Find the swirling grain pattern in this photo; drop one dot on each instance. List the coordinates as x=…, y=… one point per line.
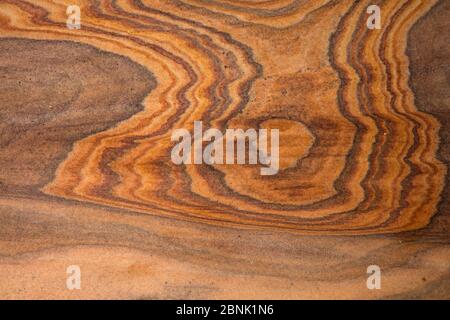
x=86, y=176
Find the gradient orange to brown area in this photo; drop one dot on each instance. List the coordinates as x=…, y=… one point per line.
x=86, y=176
